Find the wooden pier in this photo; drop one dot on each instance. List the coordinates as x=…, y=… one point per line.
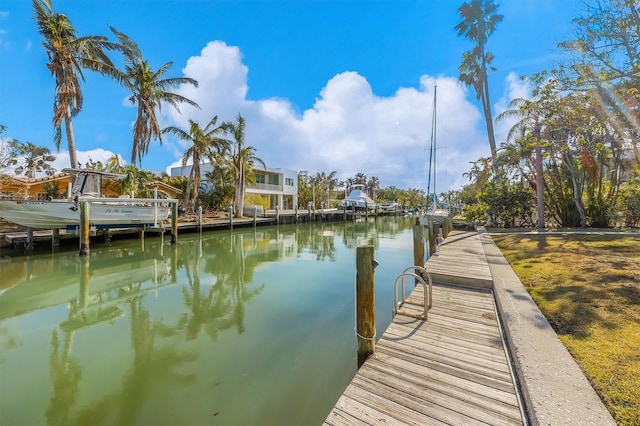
x=451, y=369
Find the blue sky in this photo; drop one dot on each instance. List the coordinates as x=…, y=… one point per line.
x=323, y=85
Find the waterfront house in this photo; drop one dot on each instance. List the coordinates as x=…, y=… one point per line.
x=278, y=186
x=59, y=185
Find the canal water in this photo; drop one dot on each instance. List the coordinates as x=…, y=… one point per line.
x=243, y=327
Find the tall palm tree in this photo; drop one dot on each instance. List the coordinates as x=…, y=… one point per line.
x=372, y=186
x=68, y=54
x=148, y=91
x=479, y=21
x=206, y=144
x=528, y=114
x=242, y=160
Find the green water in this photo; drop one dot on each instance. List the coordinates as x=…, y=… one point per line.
x=243, y=327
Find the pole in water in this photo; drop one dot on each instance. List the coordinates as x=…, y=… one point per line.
x=84, y=228
x=418, y=246
x=365, y=302
x=174, y=223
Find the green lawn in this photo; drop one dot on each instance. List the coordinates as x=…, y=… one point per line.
x=588, y=287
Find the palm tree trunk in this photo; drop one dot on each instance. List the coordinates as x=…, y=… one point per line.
x=488, y=118
x=239, y=193
x=539, y=178
x=71, y=140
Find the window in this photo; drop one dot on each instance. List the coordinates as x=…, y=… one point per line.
x=273, y=179
x=288, y=182
x=259, y=178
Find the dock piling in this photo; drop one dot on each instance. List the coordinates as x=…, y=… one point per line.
x=365, y=302
x=55, y=238
x=30, y=242
x=84, y=228
x=418, y=245
x=174, y=223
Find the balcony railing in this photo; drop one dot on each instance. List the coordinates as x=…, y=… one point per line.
x=266, y=187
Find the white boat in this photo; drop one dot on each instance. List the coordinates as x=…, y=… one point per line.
x=433, y=213
x=358, y=199
x=103, y=212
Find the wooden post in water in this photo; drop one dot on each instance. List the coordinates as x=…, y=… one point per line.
x=174, y=223
x=30, y=244
x=84, y=228
x=432, y=237
x=230, y=210
x=365, y=302
x=55, y=238
x=418, y=246
x=200, y=219
x=277, y=215
x=296, y=209
x=255, y=216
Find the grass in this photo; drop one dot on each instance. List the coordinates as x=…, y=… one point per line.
x=588, y=288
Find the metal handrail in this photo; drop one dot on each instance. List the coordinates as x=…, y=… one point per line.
x=398, y=306
x=423, y=273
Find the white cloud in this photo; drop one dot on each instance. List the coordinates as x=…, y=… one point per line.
x=349, y=129
x=515, y=88
x=97, y=154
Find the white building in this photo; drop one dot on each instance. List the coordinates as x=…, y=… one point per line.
x=279, y=185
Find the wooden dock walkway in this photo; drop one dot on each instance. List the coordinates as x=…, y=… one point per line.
x=451, y=369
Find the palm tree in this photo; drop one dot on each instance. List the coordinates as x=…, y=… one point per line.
x=372, y=186
x=242, y=161
x=68, y=55
x=149, y=91
x=479, y=21
x=529, y=114
x=30, y=159
x=113, y=164
x=206, y=144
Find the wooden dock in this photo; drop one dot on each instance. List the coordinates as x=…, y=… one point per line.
x=451, y=369
x=461, y=260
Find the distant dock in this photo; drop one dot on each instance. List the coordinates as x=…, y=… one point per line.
x=221, y=221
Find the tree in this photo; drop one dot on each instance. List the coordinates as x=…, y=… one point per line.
x=242, y=160
x=529, y=114
x=206, y=144
x=325, y=183
x=479, y=21
x=373, y=184
x=68, y=55
x=30, y=159
x=604, y=55
x=148, y=91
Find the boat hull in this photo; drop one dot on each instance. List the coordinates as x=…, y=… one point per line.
x=63, y=213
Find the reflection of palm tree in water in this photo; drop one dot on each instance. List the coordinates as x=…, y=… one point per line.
x=152, y=364
x=65, y=375
x=313, y=239
x=209, y=308
x=224, y=304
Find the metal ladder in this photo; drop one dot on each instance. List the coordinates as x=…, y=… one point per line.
x=428, y=293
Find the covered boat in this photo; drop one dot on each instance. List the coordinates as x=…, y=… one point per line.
x=104, y=212
x=358, y=199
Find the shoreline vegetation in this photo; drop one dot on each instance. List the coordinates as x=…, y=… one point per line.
x=587, y=285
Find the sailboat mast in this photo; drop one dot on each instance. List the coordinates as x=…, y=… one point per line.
x=433, y=142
